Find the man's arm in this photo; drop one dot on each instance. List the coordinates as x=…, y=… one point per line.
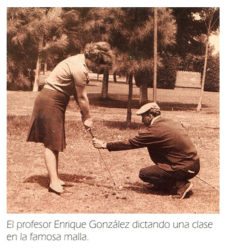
x=144, y=138
x=117, y=145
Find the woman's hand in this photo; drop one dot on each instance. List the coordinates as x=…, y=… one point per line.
x=88, y=123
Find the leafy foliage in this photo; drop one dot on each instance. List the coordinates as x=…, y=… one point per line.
x=167, y=73
x=65, y=31
x=32, y=32
x=134, y=41
x=213, y=74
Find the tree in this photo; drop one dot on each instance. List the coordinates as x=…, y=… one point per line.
x=124, y=67
x=212, y=79
x=155, y=54
x=37, y=31
x=188, y=28
x=129, y=102
x=100, y=25
x=105, y=84
x=194, y=26
x=135, y=38
x=210, y=17
x=130, y=32
x=20, y=55
x=49, y=37
x=74, y=22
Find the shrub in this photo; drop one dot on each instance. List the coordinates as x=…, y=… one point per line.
x=212, y=75
x=167, y=73
x=20, y=82
x=16, y=76
x=196, y=63
x=166, y=76
x=144, y=77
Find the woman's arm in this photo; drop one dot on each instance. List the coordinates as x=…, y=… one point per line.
x=83, y=102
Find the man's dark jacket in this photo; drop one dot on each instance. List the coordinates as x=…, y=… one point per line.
x=168, y=145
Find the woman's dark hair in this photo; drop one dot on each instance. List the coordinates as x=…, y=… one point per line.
x=99, y=53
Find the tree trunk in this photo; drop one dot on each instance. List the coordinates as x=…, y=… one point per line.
x=38, y=67
x=130, y=94
x=37, y=74
x=105, y=84
x=45, y=67
x=155, y=57
x=205, y=62
x=203, y=75
x=114, y=77
x=143, y=93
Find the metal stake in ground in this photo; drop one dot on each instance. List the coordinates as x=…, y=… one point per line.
x=107, y=168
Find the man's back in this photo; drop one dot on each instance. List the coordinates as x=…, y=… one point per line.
x=168, y=142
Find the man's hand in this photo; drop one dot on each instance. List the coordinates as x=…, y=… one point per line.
x=99, y=144
x=88, y=123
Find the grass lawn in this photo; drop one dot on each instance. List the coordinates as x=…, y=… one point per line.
x=82, y=166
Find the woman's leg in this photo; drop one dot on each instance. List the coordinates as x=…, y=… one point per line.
x=51, y=161
x=57, y=169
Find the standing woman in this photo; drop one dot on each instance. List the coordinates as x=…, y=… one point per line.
x=68, y=78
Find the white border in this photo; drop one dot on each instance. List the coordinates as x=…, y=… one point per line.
x=116, y=239
x=114, y=3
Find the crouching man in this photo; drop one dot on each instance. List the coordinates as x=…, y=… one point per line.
x=174, y=155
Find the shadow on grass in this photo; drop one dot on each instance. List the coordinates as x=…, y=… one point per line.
x=137, y=187
x=118, y=101
x=145, y=189
x=43, y=180
x=150, y=189
x=121, y=125
x=110, y=102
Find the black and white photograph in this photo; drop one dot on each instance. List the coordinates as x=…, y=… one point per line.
x=113, y=110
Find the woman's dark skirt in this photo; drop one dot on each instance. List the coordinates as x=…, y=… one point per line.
x=48, y=120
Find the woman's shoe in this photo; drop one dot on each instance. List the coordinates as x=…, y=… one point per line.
x=65, y=184
x=64, y=193
x=58, y=191
x=62, y=183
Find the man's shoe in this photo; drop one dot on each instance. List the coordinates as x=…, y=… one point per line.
x=182, y=189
